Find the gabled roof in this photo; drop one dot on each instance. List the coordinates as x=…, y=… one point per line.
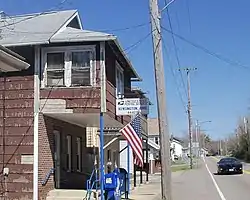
x=52, y=27
x=31, y=29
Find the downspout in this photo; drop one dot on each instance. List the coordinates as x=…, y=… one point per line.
x=5, y=176
x=36, y=121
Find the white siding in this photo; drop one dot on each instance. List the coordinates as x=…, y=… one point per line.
x=124, y=157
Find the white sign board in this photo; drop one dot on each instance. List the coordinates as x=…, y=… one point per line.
x=131, y=106
x=27, y=159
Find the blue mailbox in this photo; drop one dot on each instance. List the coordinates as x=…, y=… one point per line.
x=123, y=176
x=112, y=185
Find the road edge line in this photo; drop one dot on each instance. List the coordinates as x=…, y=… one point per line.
x=222, y=197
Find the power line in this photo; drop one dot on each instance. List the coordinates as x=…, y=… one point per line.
x=104, y=30
x=176, y=51
x=36, y=15
x=177, y=86
x=135, y=45
x=126, y=28
x=218, y=56
x=189, y=17
x=172, y=71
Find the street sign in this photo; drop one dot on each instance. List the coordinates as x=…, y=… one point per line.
x=131, y=106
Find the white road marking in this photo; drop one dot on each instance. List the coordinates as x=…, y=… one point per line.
x=222, y=197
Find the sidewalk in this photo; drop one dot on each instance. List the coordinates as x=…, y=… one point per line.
x=152, y=189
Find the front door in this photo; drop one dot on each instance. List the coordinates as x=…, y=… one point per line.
x=57, y=158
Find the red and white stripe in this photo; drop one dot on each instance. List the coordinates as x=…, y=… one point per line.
x=135, y=142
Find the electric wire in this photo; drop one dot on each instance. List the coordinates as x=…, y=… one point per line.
x=133, y=27
x=176, y=52
x=36, y=15
x=175, y=80
x=172, y=71
x=206, y=50
x=189, y=17
x=136, y=44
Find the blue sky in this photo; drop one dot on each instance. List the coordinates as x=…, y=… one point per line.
x=220, y=92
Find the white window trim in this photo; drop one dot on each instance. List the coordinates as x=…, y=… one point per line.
x=119, y=69
x=79, y=152
x=68, y=63
x=69, y=152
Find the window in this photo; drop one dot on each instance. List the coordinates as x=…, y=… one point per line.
x=69, y=66
x=80, y=69
x=79, y=153
x=119, y=80
x=114, y=158
x=55, y=69
x=69, y=153
x=109, y=155
x=157, y=140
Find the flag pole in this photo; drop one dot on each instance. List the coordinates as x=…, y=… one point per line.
x=128, y=166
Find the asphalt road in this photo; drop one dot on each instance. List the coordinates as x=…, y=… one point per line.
x=204, y=184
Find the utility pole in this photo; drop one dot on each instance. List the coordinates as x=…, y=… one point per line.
x=226, y=147
x=220, y=147
x=247, y=133
x=188, y=70
x=161, y=101
x=197, y=143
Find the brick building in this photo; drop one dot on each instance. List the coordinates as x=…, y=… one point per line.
x=54, y=105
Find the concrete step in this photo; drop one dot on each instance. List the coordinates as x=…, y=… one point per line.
x=63, y=194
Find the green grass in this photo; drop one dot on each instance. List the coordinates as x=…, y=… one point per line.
x=176, y=168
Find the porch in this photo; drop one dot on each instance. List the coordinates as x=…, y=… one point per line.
x=69, y=144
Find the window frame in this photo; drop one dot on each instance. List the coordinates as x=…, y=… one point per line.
x=68, y=50
x=156, y=140
x=119, y=69
x=69, y=153
x=79, y=154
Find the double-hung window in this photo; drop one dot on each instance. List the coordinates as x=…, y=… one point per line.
x=69, y=152
x=119, y=81
x=68, y=66
x=78, y=154
x=81, y=68
x=55, y=69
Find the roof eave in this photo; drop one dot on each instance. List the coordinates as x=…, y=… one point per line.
x=25, y=44
x=137, y=89
x=93, y=39
x=137, y=77
x=12, y=63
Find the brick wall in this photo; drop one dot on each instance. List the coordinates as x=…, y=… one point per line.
x=16, y=136
x=69, y=180
x=46, y=143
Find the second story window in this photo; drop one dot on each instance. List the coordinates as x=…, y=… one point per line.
x=68, y=66
x=119, y=81
x=55, y=69
x=80, y=69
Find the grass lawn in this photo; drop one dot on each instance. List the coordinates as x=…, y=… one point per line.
x=175, y=168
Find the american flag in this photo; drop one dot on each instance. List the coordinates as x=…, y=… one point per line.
x=132, y=133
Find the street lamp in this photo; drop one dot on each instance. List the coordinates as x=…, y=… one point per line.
x=197, y=132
